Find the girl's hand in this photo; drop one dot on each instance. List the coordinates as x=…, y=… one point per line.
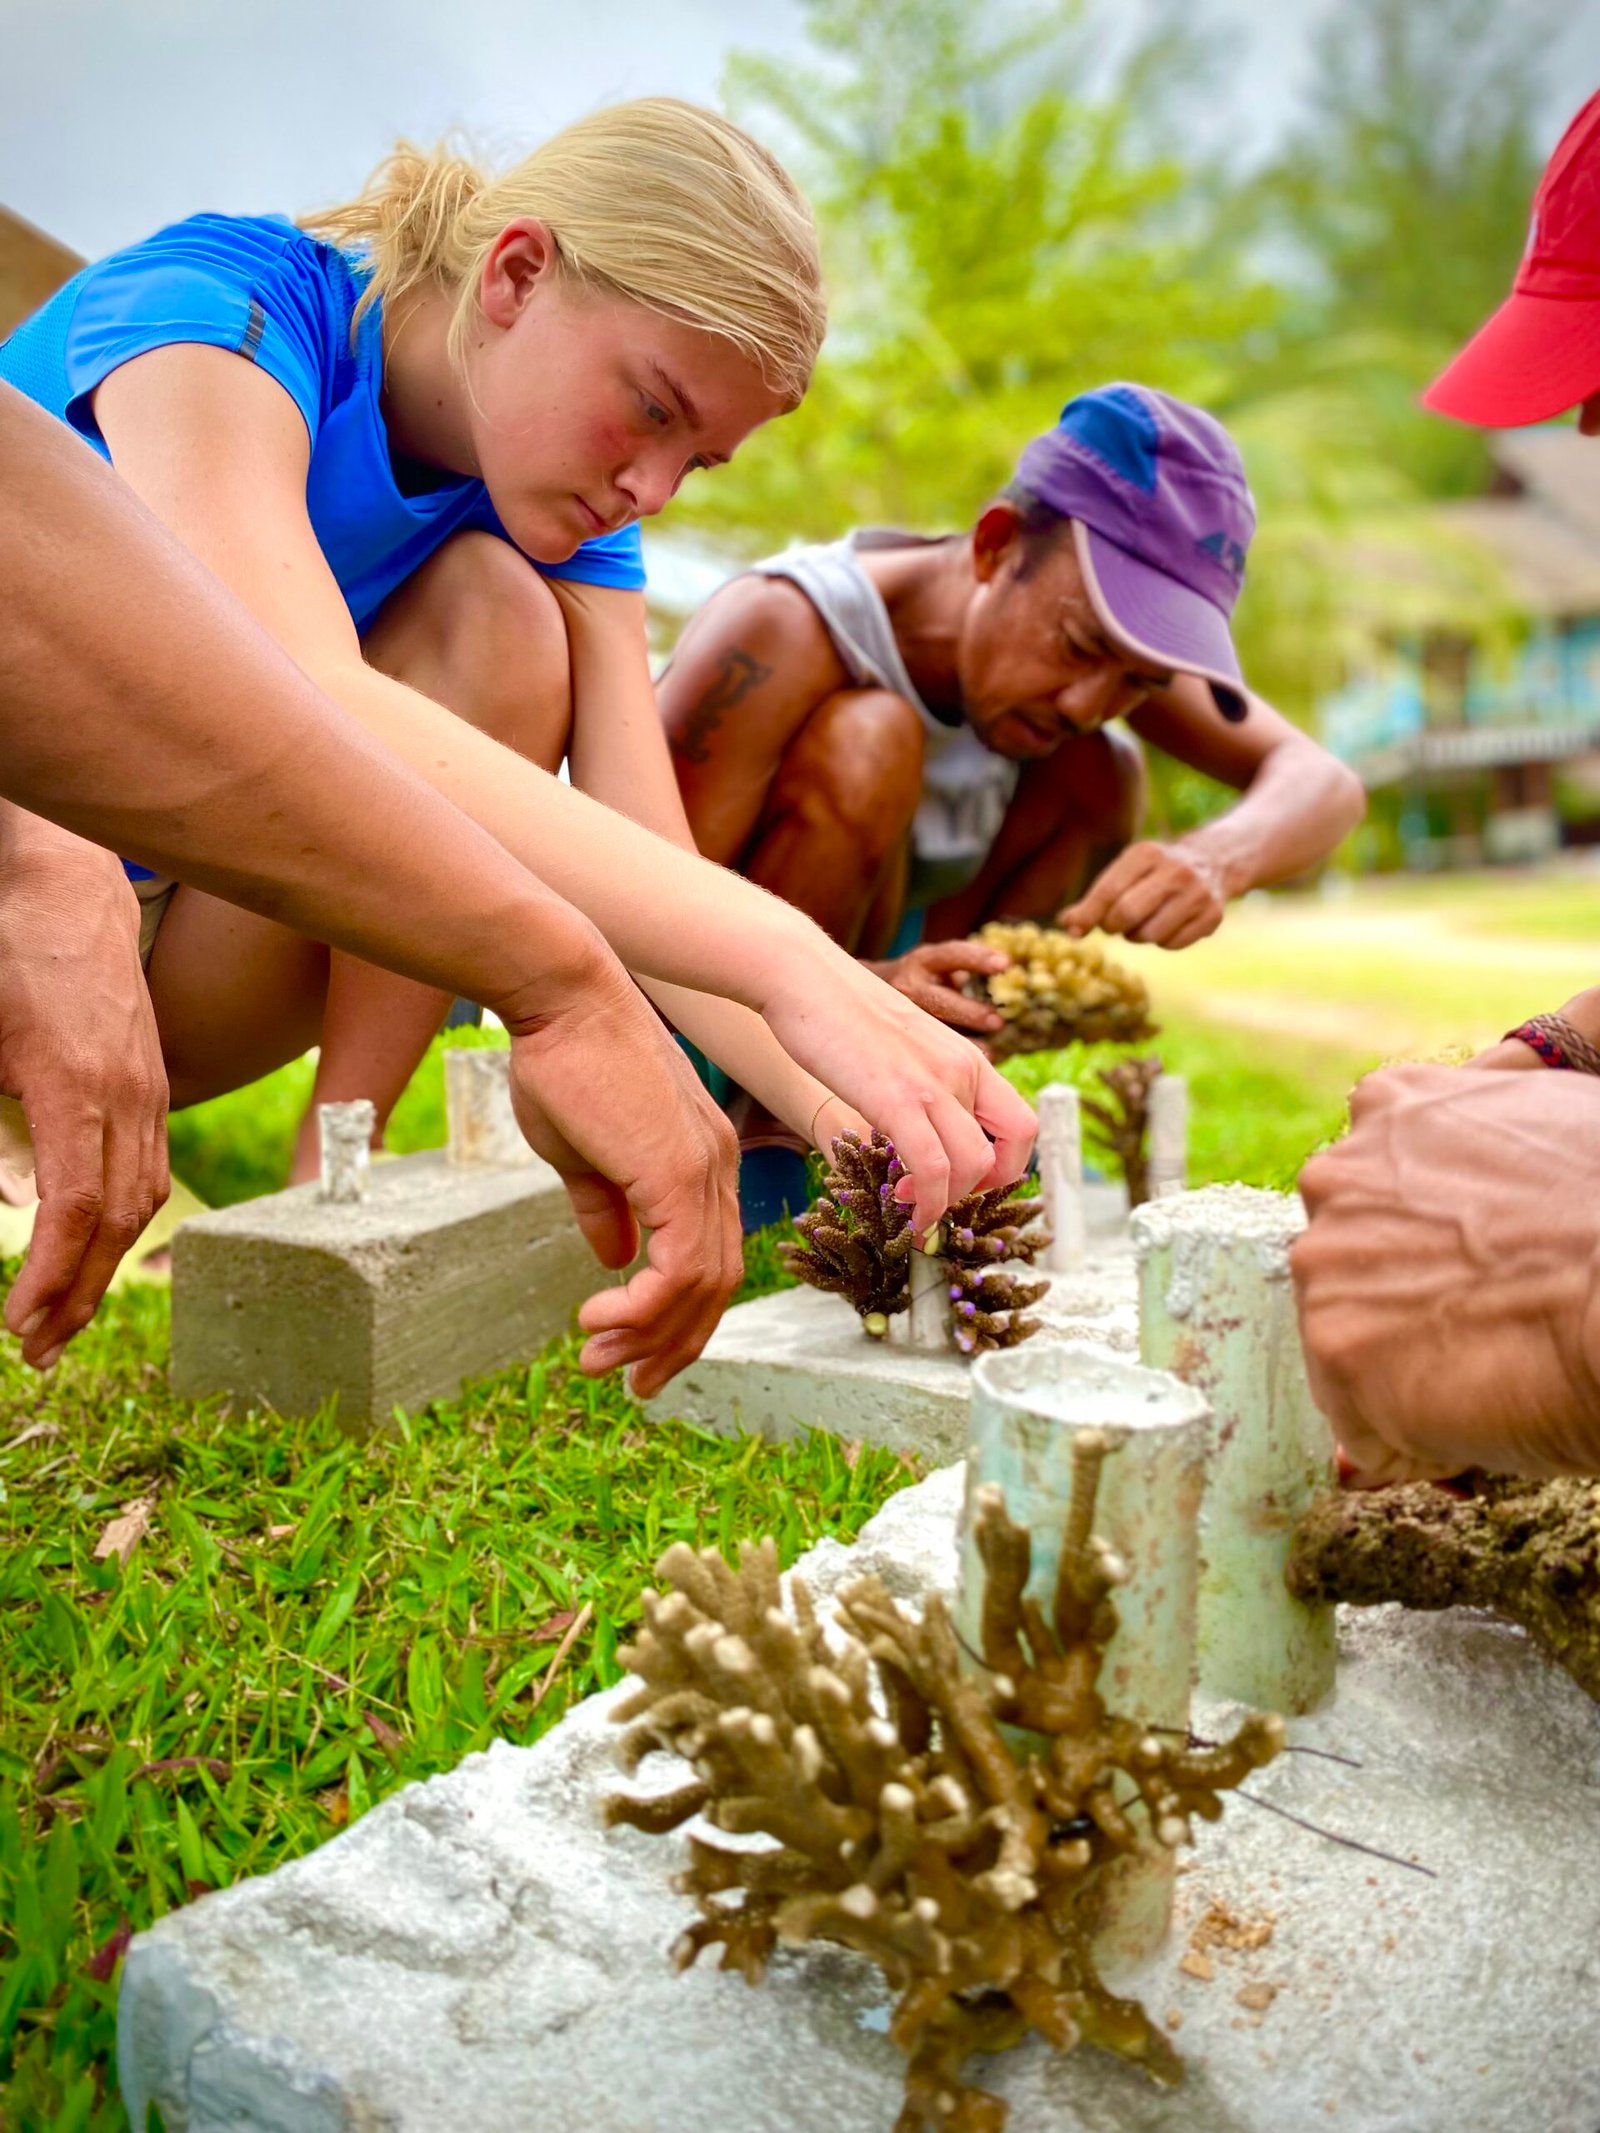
x=956, y=1124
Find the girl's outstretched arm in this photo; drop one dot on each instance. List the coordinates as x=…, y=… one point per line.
x=220, y=452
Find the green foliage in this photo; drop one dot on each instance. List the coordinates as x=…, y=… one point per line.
x=1009, y=217
x=1000, y=230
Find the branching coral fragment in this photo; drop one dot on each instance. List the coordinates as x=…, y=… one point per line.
x=907, y=1816
x=1122, y=1124
x=855, y=1240
x=988, y=1307
x=1058, y=991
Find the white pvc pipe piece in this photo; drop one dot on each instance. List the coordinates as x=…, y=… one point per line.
x=1030, y=1405
x=929, y=1313
x=1061, y=1178
x=1216, y=1306
x=482, y=1128
x=345, y=1134
x=1167, y=1164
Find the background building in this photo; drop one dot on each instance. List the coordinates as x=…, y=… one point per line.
x=1489, y=748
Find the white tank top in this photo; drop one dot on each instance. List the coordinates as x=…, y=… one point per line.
x=966, y=788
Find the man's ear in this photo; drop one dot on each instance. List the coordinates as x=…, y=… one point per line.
x=996, y=535
x=522, y=259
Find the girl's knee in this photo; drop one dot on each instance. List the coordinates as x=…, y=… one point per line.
x=479, y=630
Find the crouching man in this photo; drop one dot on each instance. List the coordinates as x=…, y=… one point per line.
x=906, y=737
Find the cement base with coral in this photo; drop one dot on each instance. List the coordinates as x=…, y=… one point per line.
x=477, y=1953
x=798, y=1359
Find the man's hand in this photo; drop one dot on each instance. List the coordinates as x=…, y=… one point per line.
x=603, y=1093
x=1169, y=895
x=79, y=1050
x=1449, y=1282
x=932, y=975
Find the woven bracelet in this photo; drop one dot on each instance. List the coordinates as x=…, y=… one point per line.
x=1558, y=1042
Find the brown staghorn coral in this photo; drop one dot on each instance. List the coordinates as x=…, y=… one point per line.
x=1526, y=1550
x=1121, y=1125
x=988, y=1308
x=855, y=1239
x=1058, y=991
x=949, y=1823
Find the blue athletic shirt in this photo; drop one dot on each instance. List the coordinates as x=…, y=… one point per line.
x=283, y=300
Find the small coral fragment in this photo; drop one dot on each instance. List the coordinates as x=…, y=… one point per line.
x=855, y=1240
x=945, y=1821
x=1121, y=1124
x=1058, y=991
x=988, y=1307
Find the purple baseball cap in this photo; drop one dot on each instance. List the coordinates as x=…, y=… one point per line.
x=1161, y=517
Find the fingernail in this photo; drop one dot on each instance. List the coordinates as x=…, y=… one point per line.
x=31, y=1324
x=50, y=1358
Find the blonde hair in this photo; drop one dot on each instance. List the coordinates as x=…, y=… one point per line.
x=656, y=200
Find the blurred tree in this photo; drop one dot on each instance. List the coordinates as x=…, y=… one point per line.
x=1002, y=226
x=1404, y=197
x=1009, y=215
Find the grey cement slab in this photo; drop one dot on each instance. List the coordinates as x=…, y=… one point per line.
x=445, y=1271
x=799, y=1360
x=476, y=1953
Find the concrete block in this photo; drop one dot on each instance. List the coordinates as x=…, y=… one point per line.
x=443, y=1272
x=799, y=1360
x=477, y=1953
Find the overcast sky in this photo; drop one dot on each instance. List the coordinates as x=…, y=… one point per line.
x=119, y=115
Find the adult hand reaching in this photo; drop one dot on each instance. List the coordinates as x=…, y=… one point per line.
x=1449, y=1281
x=79, y=1050
x=603, y=1094
x=1169, y=895
x=932, y=973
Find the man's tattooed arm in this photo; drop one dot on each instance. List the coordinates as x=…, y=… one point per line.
x=738, y=672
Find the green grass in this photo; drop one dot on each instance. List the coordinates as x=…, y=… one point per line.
x=413, y=1600
x=1257, y=1106
x=1392, y=967
x=405, y=1613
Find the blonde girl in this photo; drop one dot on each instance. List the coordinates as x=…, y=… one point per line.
x=416, y=436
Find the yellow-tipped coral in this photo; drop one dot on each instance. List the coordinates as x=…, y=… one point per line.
x=1058, y=991
x=947, y=1820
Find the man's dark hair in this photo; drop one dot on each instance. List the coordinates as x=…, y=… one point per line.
x=1040, y=525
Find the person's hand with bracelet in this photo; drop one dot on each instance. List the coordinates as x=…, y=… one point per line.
x=1569, y=1039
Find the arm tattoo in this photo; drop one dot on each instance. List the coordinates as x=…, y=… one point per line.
x=738, y=672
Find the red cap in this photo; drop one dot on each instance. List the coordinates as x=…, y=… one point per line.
x=1540, y=353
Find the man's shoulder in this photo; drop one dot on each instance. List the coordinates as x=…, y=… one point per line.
x=774, y=620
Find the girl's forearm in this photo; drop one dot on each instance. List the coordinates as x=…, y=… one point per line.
x=618, y=755
x=668, y=914
x=741, y=1044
